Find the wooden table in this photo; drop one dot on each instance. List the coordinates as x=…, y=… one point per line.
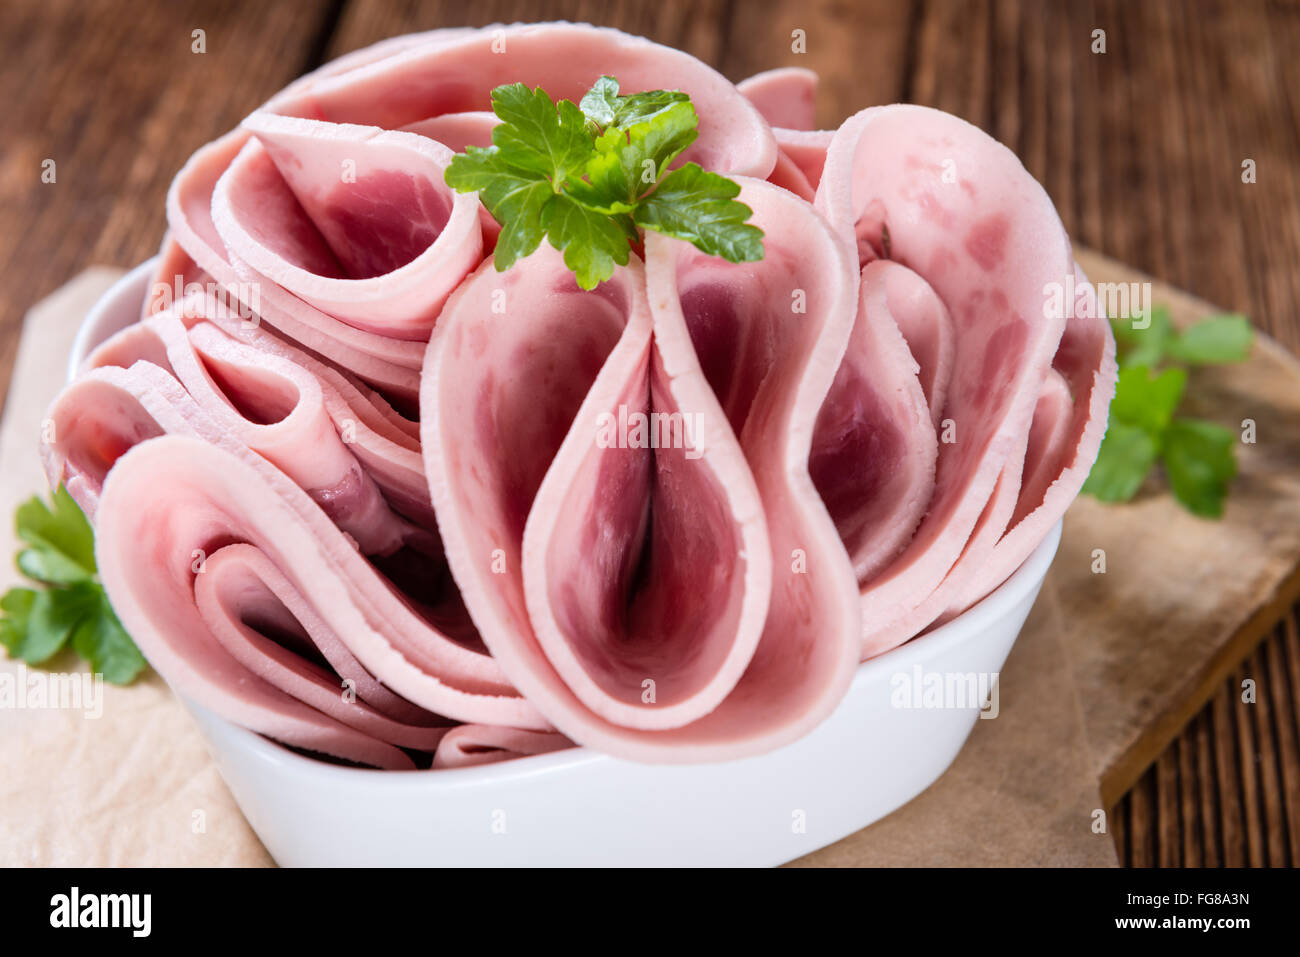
x=1141, y=147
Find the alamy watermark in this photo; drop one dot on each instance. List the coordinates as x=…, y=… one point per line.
x=32, y=690
x=1117, y=300
x=945, y=690
x=208, y=300
x=650, y=430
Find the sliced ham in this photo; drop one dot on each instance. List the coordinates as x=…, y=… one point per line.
x=805, y=150
x=253, y=587
x=387, y=363
x=874, y=448
x=358, y=491
x=354, y=220
x=469, y=745
x=213, y=499
x=936, y=194
x=457, y=130
x=640, y=598
x=1063, y=441
x=381, y=440
x=545, y=522
x=565, y=59
x=786, y=96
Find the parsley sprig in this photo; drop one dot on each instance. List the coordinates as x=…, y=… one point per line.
x=1198, y=456
x=587, y=176
x=38, y=623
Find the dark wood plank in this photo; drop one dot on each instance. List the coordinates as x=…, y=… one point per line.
x=696, y=27
x=118, y=100
x=860, y=51
x=1207, y=787
x=1248, y=775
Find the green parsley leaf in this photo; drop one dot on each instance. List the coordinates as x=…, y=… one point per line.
x=1199, y=460
x=701, y=208
x=62, y=546
x=17, y=605
x=515, y=199
x=600, y=104
x=587, y=176
x=1144, y=347
x=1198, y=457
x=1126, y=456
x=101, y=640
x=1215, y=339
x=604, y=108
x=627, y=163
x=592, y=242
x=1146, y=400
x=640, y=107
x=38, y=623
x=538, y=135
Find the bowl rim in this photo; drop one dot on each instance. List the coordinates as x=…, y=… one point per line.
x=968, y=626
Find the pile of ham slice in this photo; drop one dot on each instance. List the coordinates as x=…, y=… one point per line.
x=347, y=487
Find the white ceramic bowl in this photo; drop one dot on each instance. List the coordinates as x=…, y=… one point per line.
x=579, y=807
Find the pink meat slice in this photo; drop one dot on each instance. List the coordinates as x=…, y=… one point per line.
x=237, y=397
x=1063, y=442
x=640, y=598
x=175, y=275
x=1046, y=445
x=927, y=328
x=535, y=507
x=969, y=564
x=786, y=96
x=805, y=151
x=636, y=563
x=373, y=53
x=277, y=409
x=768, y=338
x=271, y=378
x=469, y=745
x=387, y=363
x=456, y=76
x=105, y=413
x=938, y=195
x=457, y=130
x=108, y=411
x=874, y=449
x=177, y=497
x=354, y=220
x=789, y=176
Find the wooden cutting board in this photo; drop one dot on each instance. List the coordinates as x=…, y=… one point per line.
x=1183, y=599
x=1107, y=670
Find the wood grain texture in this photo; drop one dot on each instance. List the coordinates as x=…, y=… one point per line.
x=1141, y=149
x=1182, y=599
x=114, y=94
x=1227, y=792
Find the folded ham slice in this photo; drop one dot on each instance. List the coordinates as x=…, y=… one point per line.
x=637, y=595
x=388, y=363
x=259, y=409
x=784, y=96
x=457, y=74
x=936, y=194
x=874, y=449
x=358, y=491
x=469, y=745
x=1068, y=426
x=354, y=220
